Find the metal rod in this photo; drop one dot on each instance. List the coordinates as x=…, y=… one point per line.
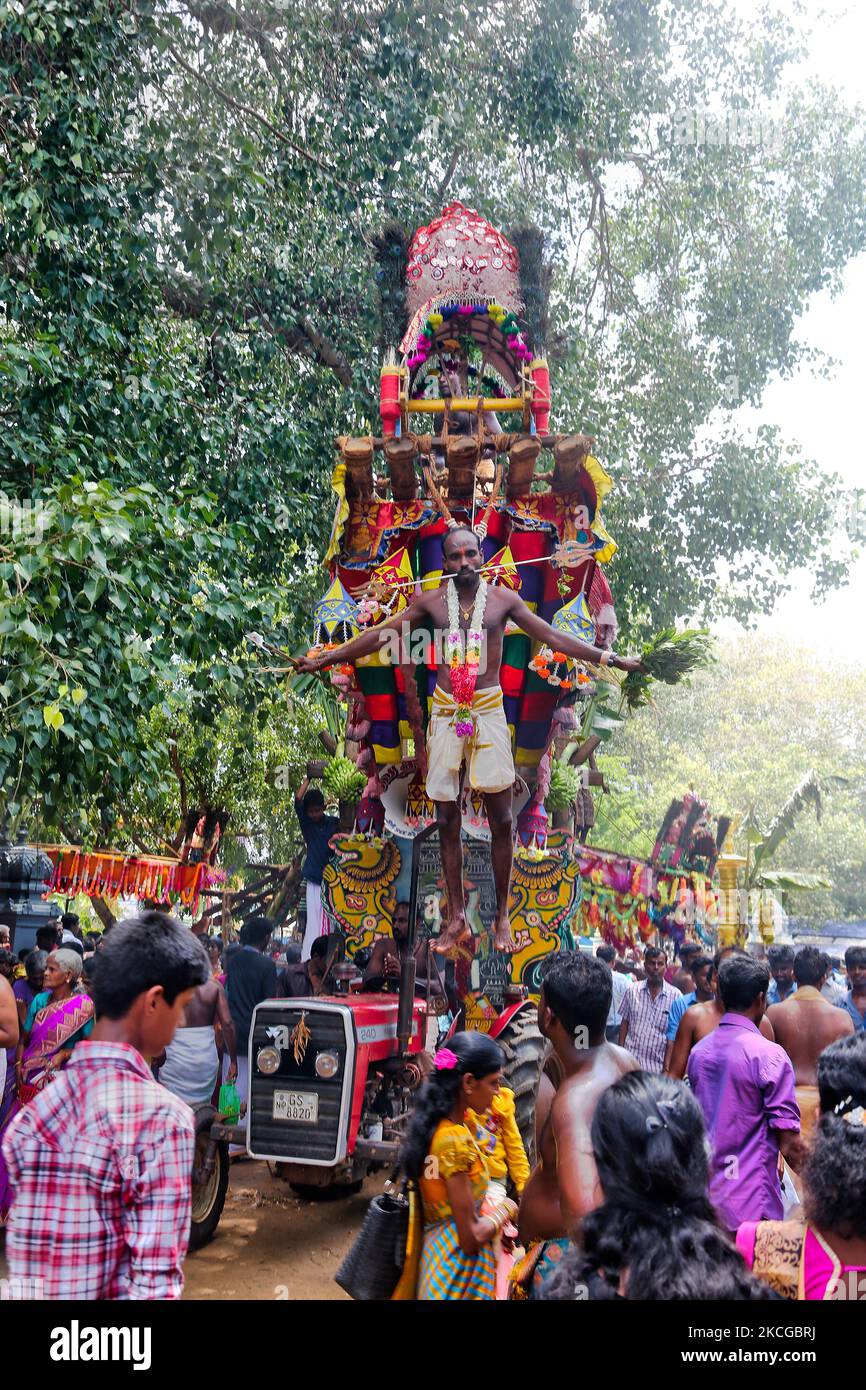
x=434, y=583
x=407, y=999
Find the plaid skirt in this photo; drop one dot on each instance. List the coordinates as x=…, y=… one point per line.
x=446, y=1273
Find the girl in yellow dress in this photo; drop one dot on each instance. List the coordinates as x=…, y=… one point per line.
x=498, y=1138
x=441, y=1155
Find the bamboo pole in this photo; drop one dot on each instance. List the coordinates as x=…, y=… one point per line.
x=436, y=406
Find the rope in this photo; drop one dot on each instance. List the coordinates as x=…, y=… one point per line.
x=600, y=810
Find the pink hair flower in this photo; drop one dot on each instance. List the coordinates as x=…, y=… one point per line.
x=445, y=1060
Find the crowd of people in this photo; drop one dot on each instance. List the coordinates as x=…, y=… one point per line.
x=716, y=1150
x=700, y=1134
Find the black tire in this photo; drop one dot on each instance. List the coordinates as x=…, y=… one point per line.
x=333, y=1193
x=525, y=1050
x=208, y=1195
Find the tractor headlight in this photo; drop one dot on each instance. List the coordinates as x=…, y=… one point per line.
x=268, y=1060
x=327, y=1065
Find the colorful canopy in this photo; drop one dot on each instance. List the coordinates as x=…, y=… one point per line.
x=458, y=258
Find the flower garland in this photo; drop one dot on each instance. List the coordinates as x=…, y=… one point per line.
x=505, y=321
x=464, y=670
x=344, y=668
x=110, y=874
x=565, y=680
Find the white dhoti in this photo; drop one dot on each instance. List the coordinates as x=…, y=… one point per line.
x=486, y=751
x=317, y=923
x=191, y=1063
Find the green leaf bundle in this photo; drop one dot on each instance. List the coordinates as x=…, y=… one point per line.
x=669, y=656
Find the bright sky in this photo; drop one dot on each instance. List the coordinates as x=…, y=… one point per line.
x=823, y=416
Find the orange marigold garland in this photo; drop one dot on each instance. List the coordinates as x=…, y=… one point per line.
x=559, y=670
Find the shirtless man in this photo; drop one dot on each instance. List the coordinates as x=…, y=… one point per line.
x=190, y=1063
x=487, y=746
x=701, y=1019
x=804, y=1025
x=563, y=1187
x=702, y=971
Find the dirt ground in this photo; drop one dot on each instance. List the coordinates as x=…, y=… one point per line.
x=271, y=1245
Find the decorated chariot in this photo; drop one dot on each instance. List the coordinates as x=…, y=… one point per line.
x=466, y=436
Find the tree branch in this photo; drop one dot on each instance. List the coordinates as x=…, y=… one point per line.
x=103, y=912
x=449, y=174
x=174, y=759
x=254, y=115
x=327, y=353
x=189, y=299
x=221, y=18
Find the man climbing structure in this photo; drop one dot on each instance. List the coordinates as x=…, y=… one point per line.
x=467, y=720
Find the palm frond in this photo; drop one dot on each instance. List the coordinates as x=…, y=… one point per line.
x=808, y=792
x=790, y=880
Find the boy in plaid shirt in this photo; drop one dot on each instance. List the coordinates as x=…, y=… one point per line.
x=100, y=1162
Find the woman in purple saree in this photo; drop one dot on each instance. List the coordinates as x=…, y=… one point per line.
x=25, y=991
x=57, y=1018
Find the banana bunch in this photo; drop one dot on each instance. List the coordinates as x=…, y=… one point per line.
x=343, y=780
x=564, y=786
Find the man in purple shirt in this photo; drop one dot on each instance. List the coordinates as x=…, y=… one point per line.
x=745, y=1086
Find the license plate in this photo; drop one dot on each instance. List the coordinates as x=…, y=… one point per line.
x=300, y=1106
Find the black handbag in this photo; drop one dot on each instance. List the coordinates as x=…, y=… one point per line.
x=373, y=1266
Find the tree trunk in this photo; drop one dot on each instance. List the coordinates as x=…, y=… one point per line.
x=104, y=912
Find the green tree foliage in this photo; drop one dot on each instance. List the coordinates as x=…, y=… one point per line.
x=744, y=736
x=190, y=199
x=247, y=762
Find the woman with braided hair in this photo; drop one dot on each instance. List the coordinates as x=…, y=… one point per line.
x=821, y=1254
x=442, y=1157
x=655, y=1235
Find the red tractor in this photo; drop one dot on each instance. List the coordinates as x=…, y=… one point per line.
x=332, y=1083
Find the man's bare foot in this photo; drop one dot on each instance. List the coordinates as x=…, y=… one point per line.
x=502, y=938
x=457, y=931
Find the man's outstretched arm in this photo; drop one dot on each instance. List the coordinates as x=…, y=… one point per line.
x=536, y=627
x=365, y=642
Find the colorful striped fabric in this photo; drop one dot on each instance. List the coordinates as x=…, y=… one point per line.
x=446, y=1273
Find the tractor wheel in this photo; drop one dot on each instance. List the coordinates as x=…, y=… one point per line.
x=209, y=1191
x=525, y=1052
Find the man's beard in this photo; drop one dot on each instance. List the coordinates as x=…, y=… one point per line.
x=466, y=579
